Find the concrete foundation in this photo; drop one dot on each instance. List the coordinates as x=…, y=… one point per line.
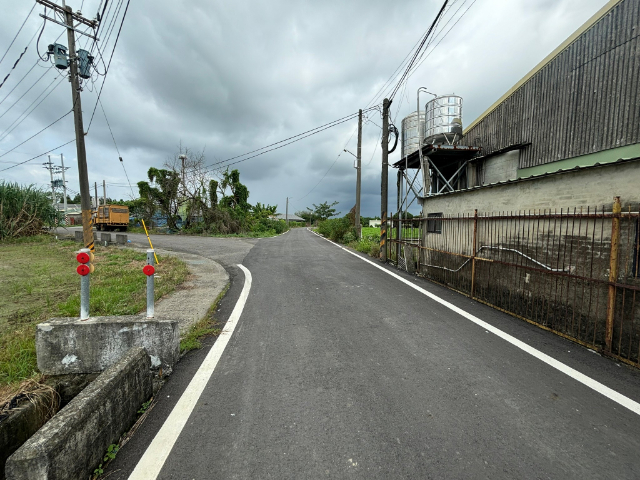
x=71, y=445
x=69, y=345
x=105, y=237
x=79, y=237
x=121, y=238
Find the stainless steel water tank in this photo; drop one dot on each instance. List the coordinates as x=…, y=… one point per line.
x=410, y=133
x=443, y=116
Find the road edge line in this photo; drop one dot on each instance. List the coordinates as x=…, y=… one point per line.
x=558, y=365
x=156, y=454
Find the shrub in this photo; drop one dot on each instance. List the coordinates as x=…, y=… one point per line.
x=375, y=250
x=24, y=210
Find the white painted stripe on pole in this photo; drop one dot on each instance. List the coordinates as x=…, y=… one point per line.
x=149, y=466
x=573, y=373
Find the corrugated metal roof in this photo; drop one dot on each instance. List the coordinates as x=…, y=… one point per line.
x=572, y=38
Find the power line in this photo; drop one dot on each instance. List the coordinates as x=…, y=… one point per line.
x=334, y=162
x=418, y=50
x=294, y=139
x=117, y=149
x=37, y=156
x=444, y=36
x=19, y=30
x=10, y=129
x=28, y=90
x=110, y=58
x=36, y=134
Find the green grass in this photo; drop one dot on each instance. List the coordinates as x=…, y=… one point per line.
x=39, y=281
x=207, y=326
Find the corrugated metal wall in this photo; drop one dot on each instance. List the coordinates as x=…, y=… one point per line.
x=583, y=101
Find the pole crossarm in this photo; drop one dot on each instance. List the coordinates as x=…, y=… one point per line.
x=64, y=25
x=63, y=11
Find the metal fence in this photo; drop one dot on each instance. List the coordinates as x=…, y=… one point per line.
x=575, y=272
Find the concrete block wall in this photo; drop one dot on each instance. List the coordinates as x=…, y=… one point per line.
x=71, y=445
x=590, y=187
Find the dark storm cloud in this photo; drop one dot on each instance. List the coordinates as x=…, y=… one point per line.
x=230, y=77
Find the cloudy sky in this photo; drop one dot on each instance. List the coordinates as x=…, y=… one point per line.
x=232, y=77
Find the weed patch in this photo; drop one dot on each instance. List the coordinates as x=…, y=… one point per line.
x=39, y=281
x=207, y=326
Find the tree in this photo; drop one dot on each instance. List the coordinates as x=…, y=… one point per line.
x=260, y=210
x=165, y=195
x=306, y=214
x=324, y=210
x=239, y=194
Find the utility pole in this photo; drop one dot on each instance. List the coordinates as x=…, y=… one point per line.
x=64, y=187
x=286, y=215
x=384, y=187
x=95, y=186
x=359, y=176
x=85, y=194
x=49, y=166
x=104, y=194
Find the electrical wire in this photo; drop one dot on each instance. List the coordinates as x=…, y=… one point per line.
x=296, y=137
x=28, y=90
x=302, y=135
x=444, y=36
x=110, y=59
x=418, y=50
x=19, y=30
x=10, y=129
x=38, y=156
x=36, y=134
x=334, y=162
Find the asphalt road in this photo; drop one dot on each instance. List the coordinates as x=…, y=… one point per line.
x=338, y=370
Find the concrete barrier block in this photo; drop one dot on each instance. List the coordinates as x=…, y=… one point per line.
x=105, y=237
x=121, y=238
x=79, y=237
x=69, y=345
x=95, y=236
x=71, y=445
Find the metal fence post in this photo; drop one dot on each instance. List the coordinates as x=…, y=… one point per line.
x=84, y=290
x=473, y=255
x=613, y=272
x=150, y=284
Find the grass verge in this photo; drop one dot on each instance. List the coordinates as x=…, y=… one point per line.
x=39, y=281
x=207, y=326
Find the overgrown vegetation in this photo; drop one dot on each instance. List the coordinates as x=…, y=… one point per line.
x=186, y=195
x=341, y=230
x=207, y=326
x=38, y=281
x=24, y=210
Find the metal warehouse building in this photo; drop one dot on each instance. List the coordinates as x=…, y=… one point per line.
x=535, y=208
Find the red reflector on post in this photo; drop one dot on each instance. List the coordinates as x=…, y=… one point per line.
x=148, y=270
x=83, y=257
x=83, y=270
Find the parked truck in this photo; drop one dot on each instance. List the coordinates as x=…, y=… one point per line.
x=112, y=217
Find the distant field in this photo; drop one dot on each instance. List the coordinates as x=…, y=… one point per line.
x=375, y=232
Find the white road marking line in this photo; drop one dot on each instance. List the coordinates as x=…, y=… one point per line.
x=573, y=373
x=149, y=466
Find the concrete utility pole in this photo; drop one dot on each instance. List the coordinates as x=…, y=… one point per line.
x=95, y=186
x=64, y=187
x=104, y=194
x=85, y=194
x=286, y=215
x=384, y=187
x=49, y=166
x=359, y=176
